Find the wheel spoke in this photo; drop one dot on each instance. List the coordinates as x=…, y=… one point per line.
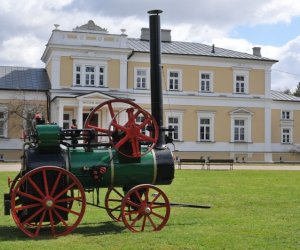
x=60, y=218
x=157, y=215
x=135, y=220
x=155, y=198
x=144, y=223
x=118, y=193
x=146, y=138
x=53, y=231
x=68, y=199
x=144, y=123
x=133, y=204
x=121, y=142
x=55, y=184
x=102, y=130
x=45, y=182
x=138, y=195
x=118, y=126
x=115, y=208
x=111, y=110
x=135, y=147
x=151, y=221
x=36, y=187
x=33, y=216
x=66, y=210
x=64, y=191
x=28, y=206
x=131, y=212
x=29, y=196
x=40, y=223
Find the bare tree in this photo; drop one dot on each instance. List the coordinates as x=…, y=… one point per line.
x=22, y=110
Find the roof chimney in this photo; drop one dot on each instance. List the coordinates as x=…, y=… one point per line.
x=256, y=51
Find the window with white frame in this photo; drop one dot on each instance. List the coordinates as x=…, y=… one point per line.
x=174, y=79
x=239, y=130
x=141, y=78
x=240, y=84
x=204, y=129
x=206, y=81
x=286, y=115
x=205, y=126
x=286, y=135
x=78, y=75
x=240, y=81
x=89, y=75
x=174, y=121
x=101, y=76
x=241, y=125
x=3, y=123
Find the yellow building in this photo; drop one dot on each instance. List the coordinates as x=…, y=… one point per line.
x=219, y=101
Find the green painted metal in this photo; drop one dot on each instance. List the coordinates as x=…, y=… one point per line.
x=48, y=137
x=118, y=173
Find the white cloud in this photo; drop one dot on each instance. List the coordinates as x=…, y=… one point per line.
x=22, y=51
x=26, y=25
x=277, y=11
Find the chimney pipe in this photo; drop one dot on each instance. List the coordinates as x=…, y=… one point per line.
x=156, y=83
x=256, y=51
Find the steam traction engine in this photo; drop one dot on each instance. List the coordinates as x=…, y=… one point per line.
x=60, y=166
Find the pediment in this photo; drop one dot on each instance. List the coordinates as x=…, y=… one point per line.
x=95, y=95
x=241, y=111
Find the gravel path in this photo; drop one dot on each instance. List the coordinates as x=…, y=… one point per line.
x=9, y=167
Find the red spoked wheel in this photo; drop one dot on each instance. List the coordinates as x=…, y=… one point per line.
x=126, y=138
x=113, y=200
x=109, y=105
x=133, y=133
x=113, y=203
x=43, y=200
x=150, y=209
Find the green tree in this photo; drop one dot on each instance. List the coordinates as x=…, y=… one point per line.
x=297, y=91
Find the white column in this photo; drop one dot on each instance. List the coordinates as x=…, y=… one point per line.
x=79, y=115
x=268, y=83
x=55, y=74
x=268, y=132
x=123, y=74
x=60, y=121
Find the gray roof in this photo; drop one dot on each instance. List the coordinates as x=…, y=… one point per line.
x=190, y=48
x=279, y=96
x=24, y=78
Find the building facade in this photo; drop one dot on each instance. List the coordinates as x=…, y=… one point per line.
x=219, y=101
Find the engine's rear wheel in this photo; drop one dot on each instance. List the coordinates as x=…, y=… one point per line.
x=43, y=200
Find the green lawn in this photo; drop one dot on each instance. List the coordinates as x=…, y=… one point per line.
x=250, y=210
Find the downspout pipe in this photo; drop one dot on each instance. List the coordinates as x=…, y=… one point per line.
x=156, y=71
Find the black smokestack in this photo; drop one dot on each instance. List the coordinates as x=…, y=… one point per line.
x=156, y=86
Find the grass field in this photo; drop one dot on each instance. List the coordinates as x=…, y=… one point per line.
x=250, y=210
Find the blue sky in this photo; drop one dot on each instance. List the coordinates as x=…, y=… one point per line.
x=269, y=34
x=26, y=25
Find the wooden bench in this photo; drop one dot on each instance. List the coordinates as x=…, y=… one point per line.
x=191, y=161
x=220, y=162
